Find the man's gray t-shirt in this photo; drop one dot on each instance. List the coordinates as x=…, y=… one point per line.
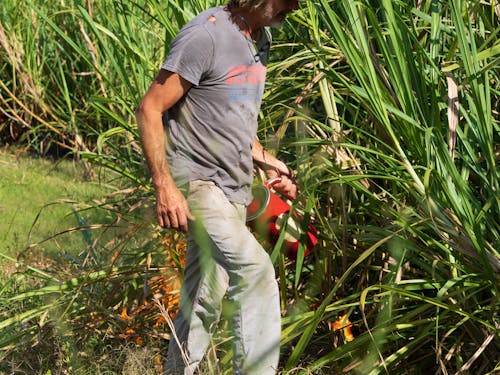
x=210, y=131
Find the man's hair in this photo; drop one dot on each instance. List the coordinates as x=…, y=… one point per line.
x=247, y=4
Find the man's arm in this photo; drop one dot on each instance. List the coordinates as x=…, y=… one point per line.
x=273, y=168
x=171, y=207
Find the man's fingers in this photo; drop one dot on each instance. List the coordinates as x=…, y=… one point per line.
x=163, y=220
x=182, y=222
x=175, y=219
x=272, y=173
x=174, y=223
x=286, y=187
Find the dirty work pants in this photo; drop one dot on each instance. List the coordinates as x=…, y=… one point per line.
x=222, y=258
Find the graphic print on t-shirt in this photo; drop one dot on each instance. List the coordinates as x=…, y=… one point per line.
x=245, y=83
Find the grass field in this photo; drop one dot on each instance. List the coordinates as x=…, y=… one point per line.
x=40, y=198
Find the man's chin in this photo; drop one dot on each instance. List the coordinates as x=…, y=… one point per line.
x=278, y=23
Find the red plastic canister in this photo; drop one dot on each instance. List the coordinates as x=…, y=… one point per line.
x=266, y=215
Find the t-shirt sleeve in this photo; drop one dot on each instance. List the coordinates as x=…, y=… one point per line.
x=190, y=53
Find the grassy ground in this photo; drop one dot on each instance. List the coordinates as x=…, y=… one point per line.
x=39, y=198
x=44, y=197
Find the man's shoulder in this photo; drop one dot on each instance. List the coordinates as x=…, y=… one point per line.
x=206, y=17
x=206, y=24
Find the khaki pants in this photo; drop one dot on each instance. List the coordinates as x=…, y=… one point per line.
x=223, y=257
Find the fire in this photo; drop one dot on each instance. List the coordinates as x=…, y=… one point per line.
x=165, y=287
x=344, y=326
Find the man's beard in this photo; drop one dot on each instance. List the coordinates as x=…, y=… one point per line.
x=279, y=22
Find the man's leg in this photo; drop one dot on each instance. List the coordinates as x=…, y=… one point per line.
x=254, y=292
x=253, y=289
x=203, y=288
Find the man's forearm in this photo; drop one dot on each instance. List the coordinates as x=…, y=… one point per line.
x=265, y=160
x=153, y=144
x=273, y=168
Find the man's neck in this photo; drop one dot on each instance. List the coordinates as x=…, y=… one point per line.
x=247, y=21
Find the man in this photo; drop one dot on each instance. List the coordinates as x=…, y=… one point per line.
x=198, y=124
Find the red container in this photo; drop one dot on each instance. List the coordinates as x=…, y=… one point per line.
x=266, y=215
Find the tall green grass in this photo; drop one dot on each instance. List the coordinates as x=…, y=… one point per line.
x=416, y=217
x=388, y=110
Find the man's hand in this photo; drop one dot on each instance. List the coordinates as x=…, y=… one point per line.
x=172, y=209
x=274, y=168
x=287, y=186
